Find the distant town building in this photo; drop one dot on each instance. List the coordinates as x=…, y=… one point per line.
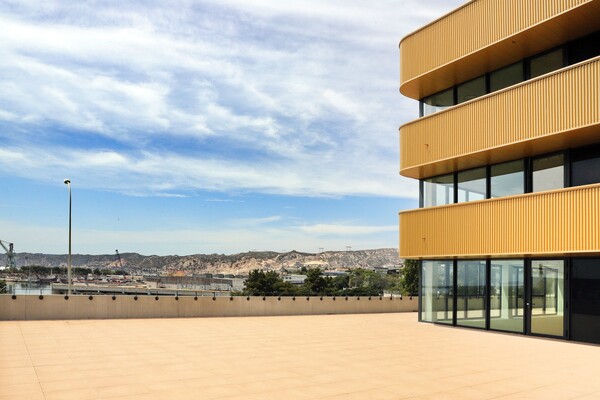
x=295, y=279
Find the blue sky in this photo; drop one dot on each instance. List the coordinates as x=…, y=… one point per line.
x=204, y=127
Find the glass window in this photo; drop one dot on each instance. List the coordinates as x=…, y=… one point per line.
x=470, y=90
x=545, y=63
x=437, y=295
x=507, y=76
x=585, y=48
x=547, y=297
x=585, y=299
x=585, y=166
x=438, y=102
x=438, y=191
x=470, y=293
x=507, y=295
x=507, y=179
x=548, y=173
x=471, y=185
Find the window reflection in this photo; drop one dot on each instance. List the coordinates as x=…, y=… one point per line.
x=470, y=293
x=507, y=76
x=508, y=179
x=548, y=173
x=437, y=295
x=471, y=90
x=507, y=295
x=547, y=297
x=471, y=185
x=438, y=102
x=438, y=191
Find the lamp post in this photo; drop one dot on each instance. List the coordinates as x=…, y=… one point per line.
x=69, y=277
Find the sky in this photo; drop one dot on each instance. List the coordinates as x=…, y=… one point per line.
x=192, y=127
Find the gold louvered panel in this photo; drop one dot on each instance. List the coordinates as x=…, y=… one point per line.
x=467, y=29
x=561, y=222
x=545, y=114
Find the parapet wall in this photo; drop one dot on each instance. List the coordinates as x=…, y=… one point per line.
x=47, y=307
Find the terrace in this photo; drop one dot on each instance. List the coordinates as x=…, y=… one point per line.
x=368, y=356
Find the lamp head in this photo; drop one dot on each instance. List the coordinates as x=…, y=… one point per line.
x=67, y=181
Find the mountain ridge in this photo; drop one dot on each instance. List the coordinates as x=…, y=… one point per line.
x=239, y=263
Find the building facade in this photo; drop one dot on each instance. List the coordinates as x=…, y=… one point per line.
x=507, y=154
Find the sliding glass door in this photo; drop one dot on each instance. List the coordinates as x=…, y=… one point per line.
x=471, y=293
x=512, y=295
x=437, y=294
x=547, y=297
x=507, y=295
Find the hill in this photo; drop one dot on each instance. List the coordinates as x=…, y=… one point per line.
x=240, y=263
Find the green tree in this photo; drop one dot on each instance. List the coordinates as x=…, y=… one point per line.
x=363, y=282
x=339, y=284
x=3, y=288
x=315, y=282
x=410, y=277
x=264, y=283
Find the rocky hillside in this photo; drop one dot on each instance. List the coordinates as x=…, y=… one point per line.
x=240, y=263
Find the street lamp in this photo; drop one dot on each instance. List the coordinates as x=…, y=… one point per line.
x=69, y=278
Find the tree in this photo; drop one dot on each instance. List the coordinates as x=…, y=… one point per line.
x=265, y=283
x=339, y=284
x=3, y=288
x=363, y=282
x=315, y=282
x=410, y=277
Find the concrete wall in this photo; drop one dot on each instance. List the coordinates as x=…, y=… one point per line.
x=123, y=306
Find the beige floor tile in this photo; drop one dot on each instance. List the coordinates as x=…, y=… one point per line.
x=24, y=396
x=371, y=357
x=20, y=389
x=74, y=394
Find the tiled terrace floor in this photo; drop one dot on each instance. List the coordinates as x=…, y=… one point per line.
x=372, y=356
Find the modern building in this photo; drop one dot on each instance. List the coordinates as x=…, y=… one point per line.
x=507, y=154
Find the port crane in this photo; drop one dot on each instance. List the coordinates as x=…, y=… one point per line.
x=119, y=259
x=10, y=254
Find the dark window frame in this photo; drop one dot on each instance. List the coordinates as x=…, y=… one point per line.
x=527, y=170
x=565, y=47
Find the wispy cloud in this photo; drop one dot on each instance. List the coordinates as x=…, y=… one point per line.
x=227, y=96
x=192, y=241
x=153, y=173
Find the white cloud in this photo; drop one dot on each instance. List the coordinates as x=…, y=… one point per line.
x=278, y=97
x=153, y=173
x=50, y=239
x=255, y=221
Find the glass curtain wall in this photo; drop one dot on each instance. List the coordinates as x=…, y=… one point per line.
x=438, y=191
x=547, y=297
x=507, y=179
x=471, y=293
x=438, y=102
x=545, y=63
x=507, y=295
x=585, y=299
x=471, y=90
x=585, y=166
x=437, y=293
x=507, y=76
x=471, y=185
x=548, y=173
